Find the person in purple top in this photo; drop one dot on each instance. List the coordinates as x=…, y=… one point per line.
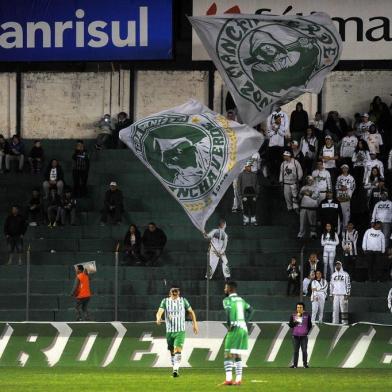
x=301, y=324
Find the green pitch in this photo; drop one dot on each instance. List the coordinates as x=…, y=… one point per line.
x=160, y=380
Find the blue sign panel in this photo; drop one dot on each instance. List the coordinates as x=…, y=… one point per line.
x=85, y=30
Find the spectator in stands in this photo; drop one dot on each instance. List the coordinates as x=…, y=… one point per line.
x=154, y=240
x=347, y=148
x=374, y=162
x=299, y=121
x=284, y=121
x=349, y=246
x=53, y=209
x=381, y=115
x=290, y=176
x=132, y=245
x=105, y=128
x=81, y=166
x=4, y=149
x=312, y=265
x=382, y=212
x=68, y=208
x=357, y=120
x=82, y=292
x=322, y=179
x=113, y=204
x=14, y=229
x=329, y=155
x=345, y=186
x=293, y=278
x=364, y=126
x=318, y=125
x=307, y=282
x=330, y=211
x=276, y=133
x=372, y=180
x=329, y=241
x=122, y=122
x=374, y=140
x=53, y=178
x=35, y=208
x=248, y=189
x=373, y=244
x=15, y=153
x=36, y=157
x=376, y=191
x=309, y=196
x=319, y=289
x=308, y=147
x=360, y=159
x=335, y=126
x=389, y=300
x=388, y=174
x=339, y=290
x=301, y=324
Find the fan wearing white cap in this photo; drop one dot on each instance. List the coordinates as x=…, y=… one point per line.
x=112, y=205
x=290, y=176
x=345, y=186
x=363, y=126
x=339, y=290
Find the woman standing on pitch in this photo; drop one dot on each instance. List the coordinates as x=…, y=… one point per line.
x=329, y=241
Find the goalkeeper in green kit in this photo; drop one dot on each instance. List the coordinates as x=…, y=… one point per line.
x=238, y=313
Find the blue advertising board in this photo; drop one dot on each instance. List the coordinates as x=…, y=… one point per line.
x=85, y=30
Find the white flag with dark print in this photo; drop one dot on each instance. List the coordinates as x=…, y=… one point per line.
x=267, y=61
x=194, y=152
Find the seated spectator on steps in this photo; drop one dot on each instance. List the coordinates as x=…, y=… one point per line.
x=105, y=128
x=53, y=208
x=112, y=205
x=36, y=157
x=35, y=208
x=15, y=153
x=4, y=149
x=122, y=122
x=53, y=178
x=154, y=240
x=81, y=166
x=307, y=283
x=14, y=229
x=132, y=245
x=68, y=208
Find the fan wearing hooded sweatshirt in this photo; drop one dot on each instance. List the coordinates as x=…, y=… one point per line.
x=339, y=290
x=218, y=245
x=319, y=294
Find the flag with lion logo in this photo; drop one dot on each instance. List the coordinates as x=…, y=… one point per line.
x=267, y=61
x=194, y=152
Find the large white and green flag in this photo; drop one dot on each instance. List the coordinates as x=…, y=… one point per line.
x=267, y=61
x=194, y=152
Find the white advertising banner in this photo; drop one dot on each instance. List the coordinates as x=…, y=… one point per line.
x=365, y=27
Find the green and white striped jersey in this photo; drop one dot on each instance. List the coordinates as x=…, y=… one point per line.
x=236, y=307
x=175, y=310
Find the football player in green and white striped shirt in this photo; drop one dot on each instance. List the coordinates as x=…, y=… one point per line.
x=238, y=313
x=175, y=308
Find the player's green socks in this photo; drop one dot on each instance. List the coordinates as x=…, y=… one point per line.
x=238, y=369
x=229, y=364
x=177, y=360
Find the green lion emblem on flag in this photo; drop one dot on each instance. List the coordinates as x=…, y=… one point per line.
x=188, y=153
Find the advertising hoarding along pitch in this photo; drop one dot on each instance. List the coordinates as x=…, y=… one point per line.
x=85, y=30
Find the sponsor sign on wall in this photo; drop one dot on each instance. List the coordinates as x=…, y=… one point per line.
x=365, y=30
x=144, y=345
x=57, y=30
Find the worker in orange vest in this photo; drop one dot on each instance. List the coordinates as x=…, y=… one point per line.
x=81, y=291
